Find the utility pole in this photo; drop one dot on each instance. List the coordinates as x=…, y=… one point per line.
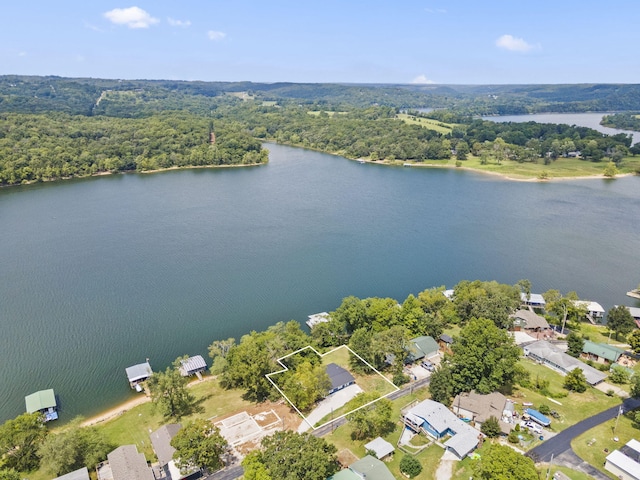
x=549, y=469
x=617, y=417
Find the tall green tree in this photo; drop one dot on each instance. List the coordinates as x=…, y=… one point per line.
x=634, y=341
x=575, y=381
x=292, y=456
x=169, y=392
x=441, y=384
x=306, y=385
x=620, y=321
x=484, y=358
x=199, y=444
x=73, y=448
x=370, y=421
x=491, y=427
x=500, y=462
x=575, y=344
x=490, y=300
x=218, y=352
x=20, y=439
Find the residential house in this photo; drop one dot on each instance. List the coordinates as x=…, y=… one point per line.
x=635, y=313
x=625, y=462
x=601, y=352
x=161, y=442
x=369, y=468
x=80, y=474
x=554, y=358
x=479, y=408
x=125, y=463
x=380, y=447
x=421, y=348
x=437, y=421
x=339, y=377
x=525, y=320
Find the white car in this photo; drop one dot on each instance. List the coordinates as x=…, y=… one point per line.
x=534, y=427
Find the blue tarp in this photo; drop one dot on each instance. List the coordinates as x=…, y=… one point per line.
x=538, y=417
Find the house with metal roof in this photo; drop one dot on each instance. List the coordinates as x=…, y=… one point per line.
x=370, y=468
x=192, y=366
x=601, y=352
x=137, y=374
x=445, y=341
x=339, y=377
x=437, y=421
x=624, y=463
x=421, y=347
x=380, y=447
x=125, y=463
x=43, y=401
x=554, y=358
x=80, y=474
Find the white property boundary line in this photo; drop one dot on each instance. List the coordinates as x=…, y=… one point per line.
x=285, y=369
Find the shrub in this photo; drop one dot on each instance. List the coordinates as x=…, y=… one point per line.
x=491, y=428
x=513, y=437
x=410, y=466
x=544, y=409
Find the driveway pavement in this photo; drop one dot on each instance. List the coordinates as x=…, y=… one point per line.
x=329, y=404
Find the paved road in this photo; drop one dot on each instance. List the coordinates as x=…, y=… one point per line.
x=562, y=441
x=227, y=473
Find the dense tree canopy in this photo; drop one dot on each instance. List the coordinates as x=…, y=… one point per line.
x=500, y=462
x=20, y=439
x=199, y=444
x=372, y=420
x=288, y=455
x=169, y=392
x=620, y=321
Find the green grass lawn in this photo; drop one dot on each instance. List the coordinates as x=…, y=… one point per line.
x=594, y=452
x=574, y=407
x=427, y=123
x=134, y=426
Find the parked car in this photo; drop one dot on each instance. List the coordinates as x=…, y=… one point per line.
x=428, y=365
x=533, y=427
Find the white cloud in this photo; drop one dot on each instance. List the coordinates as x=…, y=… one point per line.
x=422, y=79
x=178, y=23
x=22, y=54
x=132, y=17
x=514, y=44
x=215, y=36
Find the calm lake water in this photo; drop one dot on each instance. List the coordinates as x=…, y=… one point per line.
x=98, y=274
x=591, y=120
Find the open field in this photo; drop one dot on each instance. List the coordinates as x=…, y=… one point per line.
x=427, y=123
x=596, y=452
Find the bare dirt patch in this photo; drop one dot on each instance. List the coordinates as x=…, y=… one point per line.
x=346, y=457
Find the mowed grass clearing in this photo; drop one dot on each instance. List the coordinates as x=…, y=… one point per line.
x=594, y=452
x=428, y=123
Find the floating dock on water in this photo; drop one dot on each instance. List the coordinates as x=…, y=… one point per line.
x=634, y=293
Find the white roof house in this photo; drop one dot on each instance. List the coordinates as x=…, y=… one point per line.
x=625, y=462
x=535, y=299
x=593, y=308
x=556, y=359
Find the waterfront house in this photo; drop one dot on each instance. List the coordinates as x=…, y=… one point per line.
x=437, y=421
x=80, y=474
x=137, y=374
x=125, y=463
x=193, y=366
x=625, y=462
x=595, y=312
x=635, y=313
x=554, y=358
x=525, y=320
x=339, y=377
x=43, y=401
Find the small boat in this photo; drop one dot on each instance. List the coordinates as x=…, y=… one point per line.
x=406, y=165
x=361, y=161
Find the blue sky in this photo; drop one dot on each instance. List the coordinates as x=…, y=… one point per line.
x=440, y=41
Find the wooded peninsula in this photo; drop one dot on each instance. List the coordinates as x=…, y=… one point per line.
x=53, y=128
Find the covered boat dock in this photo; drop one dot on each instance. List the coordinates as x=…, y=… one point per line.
x=44, y=402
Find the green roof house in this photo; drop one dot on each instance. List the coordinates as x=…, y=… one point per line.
x=601, y=352
x=369, y=468
x=44, y=402
x=421, y=347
